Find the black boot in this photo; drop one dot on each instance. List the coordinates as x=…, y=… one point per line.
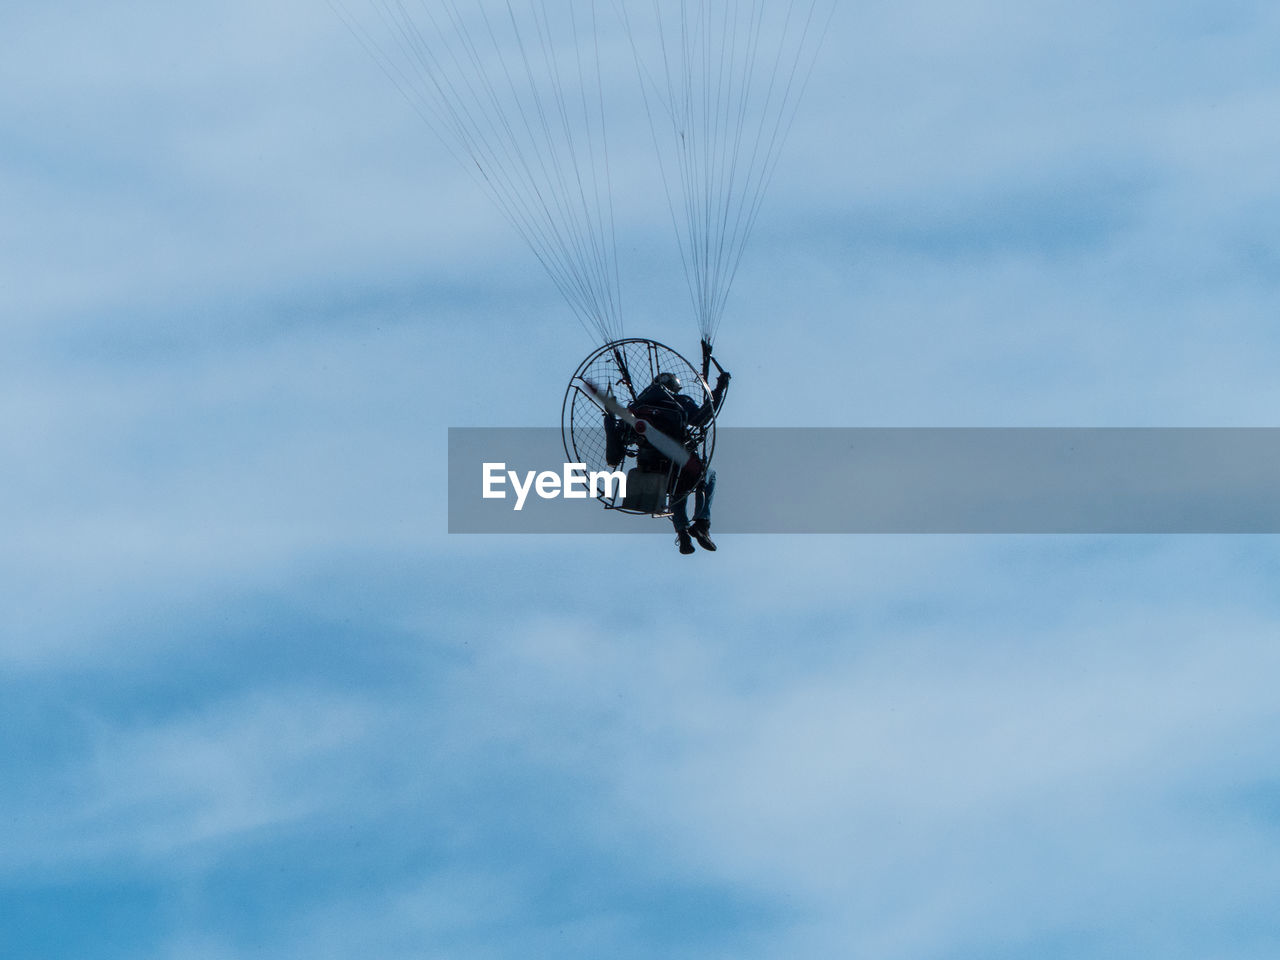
x=701, y=530
x=682, y=538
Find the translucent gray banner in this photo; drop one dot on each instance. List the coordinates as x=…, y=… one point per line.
x=909, y=480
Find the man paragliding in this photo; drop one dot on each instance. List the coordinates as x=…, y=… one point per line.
x=660, y=414
x=524, y=95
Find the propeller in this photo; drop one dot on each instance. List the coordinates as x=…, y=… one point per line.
x=670, y=448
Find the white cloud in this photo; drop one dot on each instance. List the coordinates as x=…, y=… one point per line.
x=169, y=791
x=990, y=214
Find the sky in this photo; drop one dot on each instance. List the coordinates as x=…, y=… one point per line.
x=255, y=702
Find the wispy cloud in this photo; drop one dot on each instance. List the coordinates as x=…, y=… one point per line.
x=256, y=704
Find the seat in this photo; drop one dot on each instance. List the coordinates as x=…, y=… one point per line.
x=646, y=491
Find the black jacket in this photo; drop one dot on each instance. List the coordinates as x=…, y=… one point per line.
x=691, y=414
x=676, y=415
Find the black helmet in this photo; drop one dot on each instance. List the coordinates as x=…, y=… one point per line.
x=668, y=381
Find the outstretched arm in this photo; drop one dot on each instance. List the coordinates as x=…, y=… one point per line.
x=721, y=388
x=700, y=416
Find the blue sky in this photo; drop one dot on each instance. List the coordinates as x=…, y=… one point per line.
x=257, y=704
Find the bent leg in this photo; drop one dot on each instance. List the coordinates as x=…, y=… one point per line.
x=703, y=495
x=680, y=515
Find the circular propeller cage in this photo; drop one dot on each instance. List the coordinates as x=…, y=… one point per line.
x=624, y=368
